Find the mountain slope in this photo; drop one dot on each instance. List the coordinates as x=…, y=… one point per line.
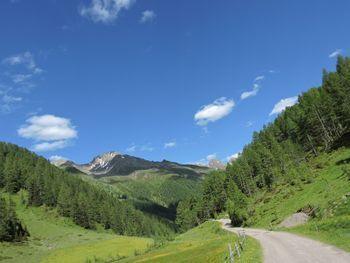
x=113, y=164
x=153, y=187
x=88, y=204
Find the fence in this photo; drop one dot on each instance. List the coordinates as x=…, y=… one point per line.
x=237, y=247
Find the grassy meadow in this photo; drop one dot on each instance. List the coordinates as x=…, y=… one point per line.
x=57, y=239
x=205, y=243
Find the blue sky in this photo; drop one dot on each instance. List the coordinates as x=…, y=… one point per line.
x=179, y=80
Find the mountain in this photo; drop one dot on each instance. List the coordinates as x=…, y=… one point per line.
x=114, y=163
x=216, y=164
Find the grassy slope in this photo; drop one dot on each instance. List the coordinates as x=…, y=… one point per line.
x=205, y=243
x=57, y=236
x=162, y=189
x=326, y=192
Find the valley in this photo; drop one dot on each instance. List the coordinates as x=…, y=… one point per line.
x=122, y=208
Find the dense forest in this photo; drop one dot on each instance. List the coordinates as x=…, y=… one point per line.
x=318, y=123
x=87, y=204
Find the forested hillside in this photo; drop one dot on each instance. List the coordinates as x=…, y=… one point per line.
x=87, y=204
x=279, y=154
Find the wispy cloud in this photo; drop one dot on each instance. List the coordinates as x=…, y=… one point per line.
x=249, y=124
x=140, y=148
x=168, y=145
x=131, y=149
x=20, y=73
x=8, y=102
x=20, y=78
x=147, y=16
x=146, y=148
x=251, y=93
x=335, y=53
x=49, y=131
x=105, y=11
x=259, y=78
x=283, y=104
x=214, y=111
x=26, y=59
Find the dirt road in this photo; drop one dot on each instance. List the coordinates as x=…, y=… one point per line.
x=282, y=247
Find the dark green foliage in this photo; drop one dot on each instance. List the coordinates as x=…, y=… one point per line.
x=278, y=154
x=218, y=192
x=319, y=121
x=236, y=204
x=187, y=213
x=85, y=203
x=11, y=228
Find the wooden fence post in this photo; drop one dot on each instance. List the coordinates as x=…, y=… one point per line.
x=237, y=250
x=232, y=258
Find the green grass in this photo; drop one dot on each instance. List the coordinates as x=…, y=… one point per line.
x=52, y=234
x=205, y=243
x=324, y=191
x=335, y=231
x=101, y=251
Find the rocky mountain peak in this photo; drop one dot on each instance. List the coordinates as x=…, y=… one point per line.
x=103, y=160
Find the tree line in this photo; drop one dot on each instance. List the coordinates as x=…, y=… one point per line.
x=87, y=204
x=318, y=123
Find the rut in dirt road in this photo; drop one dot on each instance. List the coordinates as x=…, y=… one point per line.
x=282, y=247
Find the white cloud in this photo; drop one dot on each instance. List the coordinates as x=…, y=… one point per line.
x=131, y=149
x=146, y=148
x=214, y=111
x=258, y=78
x=147, y=16
x=10, y=99
x=56, y=158
x=105, y=11
x=232, y=157
x=48, y=128
x=26, y=59
x=251, y=93
x=211, y=156
x=20, y=78
x=50, y=146
x=283, y=104
x=8, y=102
x=335, y=53
x=141, y=148
x=169, y=145
x=51, y=132
x=249, y=124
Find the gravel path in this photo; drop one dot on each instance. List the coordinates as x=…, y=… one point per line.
x=282, y=247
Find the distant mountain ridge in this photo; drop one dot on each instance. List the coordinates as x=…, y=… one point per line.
x=114, y=163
